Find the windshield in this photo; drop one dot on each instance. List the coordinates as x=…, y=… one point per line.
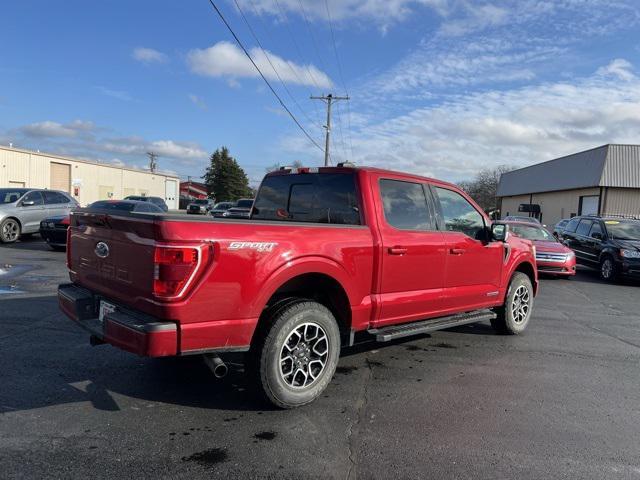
x=531, y=232
x=201, y=202
x=244, y=203
x=623, y=229
x=10, y=195
x=223, y=205
x=135, y=197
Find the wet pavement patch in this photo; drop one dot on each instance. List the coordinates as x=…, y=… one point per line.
x=444, y=345
x=346, y=370
x=413, y=348
x=207, y=457
x=266, y=435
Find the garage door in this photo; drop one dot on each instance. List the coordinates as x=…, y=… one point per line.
x=60, y=176
x=589, y=205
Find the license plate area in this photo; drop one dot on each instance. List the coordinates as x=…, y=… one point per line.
x=105, y=309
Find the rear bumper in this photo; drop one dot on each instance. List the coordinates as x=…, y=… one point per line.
x=149, y=336
x=126, y=330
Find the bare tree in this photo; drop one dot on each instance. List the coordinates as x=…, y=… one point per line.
x=484, y=186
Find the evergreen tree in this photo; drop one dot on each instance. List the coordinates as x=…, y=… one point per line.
x=225, y=179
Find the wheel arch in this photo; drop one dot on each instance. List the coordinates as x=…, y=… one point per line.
x=530, y=271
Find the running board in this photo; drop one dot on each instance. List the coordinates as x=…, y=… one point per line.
x=392, y=332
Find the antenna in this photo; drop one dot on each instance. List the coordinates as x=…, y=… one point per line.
x=152, y=161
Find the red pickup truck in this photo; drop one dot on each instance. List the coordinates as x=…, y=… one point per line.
x=326, y=253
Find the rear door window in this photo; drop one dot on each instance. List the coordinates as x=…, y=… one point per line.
x=596, y=228
x=53, y=198
x=405, y=205
x=308, y=197
x=583, y=227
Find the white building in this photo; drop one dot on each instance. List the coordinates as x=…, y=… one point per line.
x=87, y=181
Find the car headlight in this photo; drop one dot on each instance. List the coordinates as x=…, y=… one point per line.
x=571, y=255
x=630, y=253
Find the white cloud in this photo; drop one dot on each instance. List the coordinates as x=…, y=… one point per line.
x=620, y=68
x=137, y=146
x=225, y=59
x=51, y=129
x=381, y=12
x=117, y=94
x=148, y=55
x=198, y=101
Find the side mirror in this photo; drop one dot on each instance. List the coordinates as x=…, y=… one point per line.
x=499, y=232
x=28, y=203
x=596, y=235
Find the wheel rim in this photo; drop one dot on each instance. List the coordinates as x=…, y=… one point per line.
x=10, y=230
x=607, y=268
x=304, y=355
x=521, y=304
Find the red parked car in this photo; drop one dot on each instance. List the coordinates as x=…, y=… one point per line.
x=326, y=253
x=552, y=257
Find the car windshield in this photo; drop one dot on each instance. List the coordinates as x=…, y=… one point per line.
x=223, y=206
x=201, y=202
x=139, y=199
x=122, y=206
x=531, y=232
x=244, y=203
x=623, y=229
x=10, y=195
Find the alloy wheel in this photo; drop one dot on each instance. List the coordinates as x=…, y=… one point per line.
x=304, y=355
x=521, y=304
x=607, y=268
x=10, y=231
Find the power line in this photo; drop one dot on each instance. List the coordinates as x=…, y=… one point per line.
x=224, y=20
x=253, y=33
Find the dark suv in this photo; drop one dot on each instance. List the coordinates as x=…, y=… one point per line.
x=610, y=243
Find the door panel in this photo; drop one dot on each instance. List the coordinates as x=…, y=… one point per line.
x=30, y=216
x=412, y=265
x=473, y=265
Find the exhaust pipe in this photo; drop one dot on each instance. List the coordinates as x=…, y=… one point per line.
x=216, y=365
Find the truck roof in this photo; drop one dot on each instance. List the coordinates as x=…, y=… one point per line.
x=352, y=168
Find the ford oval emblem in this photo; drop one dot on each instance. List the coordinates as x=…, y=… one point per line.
x=102, y=250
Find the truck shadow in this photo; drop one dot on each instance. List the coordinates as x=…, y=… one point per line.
x=32, y=242
x=47, y=361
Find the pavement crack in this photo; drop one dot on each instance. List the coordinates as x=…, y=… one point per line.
x=360, y=407
x=601, y=332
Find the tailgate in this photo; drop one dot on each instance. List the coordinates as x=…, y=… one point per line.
x=112, y=254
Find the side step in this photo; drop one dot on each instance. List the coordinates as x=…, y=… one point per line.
x=392, y=332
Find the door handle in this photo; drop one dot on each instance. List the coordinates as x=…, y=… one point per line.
x=397, y=250
x=456, y=251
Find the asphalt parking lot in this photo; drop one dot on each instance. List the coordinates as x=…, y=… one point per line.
x=561, y=401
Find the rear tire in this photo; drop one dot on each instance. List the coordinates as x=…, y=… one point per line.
x=608, y=269
x=9, y=230
x=295, y=356
x=513, y=317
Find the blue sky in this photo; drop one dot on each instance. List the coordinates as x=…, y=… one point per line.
x=438, y=87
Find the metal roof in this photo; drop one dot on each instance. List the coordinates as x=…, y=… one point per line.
x=610, y=165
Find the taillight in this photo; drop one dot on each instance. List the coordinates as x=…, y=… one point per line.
x=174, y=267
x=65, y=221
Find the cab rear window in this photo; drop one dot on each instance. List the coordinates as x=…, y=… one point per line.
x=308, y=197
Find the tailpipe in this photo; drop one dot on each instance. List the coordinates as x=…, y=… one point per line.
x=216, y=365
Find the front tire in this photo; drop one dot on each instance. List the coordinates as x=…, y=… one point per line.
x=9, y=230
x=513, y=317
x=296, y=356
x=608, y=269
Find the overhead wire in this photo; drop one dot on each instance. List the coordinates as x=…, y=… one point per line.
x=273, y=67
x=246, y=52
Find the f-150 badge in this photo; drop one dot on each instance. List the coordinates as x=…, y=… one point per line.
x=258, y=246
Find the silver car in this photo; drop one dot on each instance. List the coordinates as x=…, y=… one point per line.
x=22, y=209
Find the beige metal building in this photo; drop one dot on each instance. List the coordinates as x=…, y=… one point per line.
x=87, y=181
x=603, y=180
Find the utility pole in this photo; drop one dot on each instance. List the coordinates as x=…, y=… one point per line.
x=152, y=161
x=328, y=99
